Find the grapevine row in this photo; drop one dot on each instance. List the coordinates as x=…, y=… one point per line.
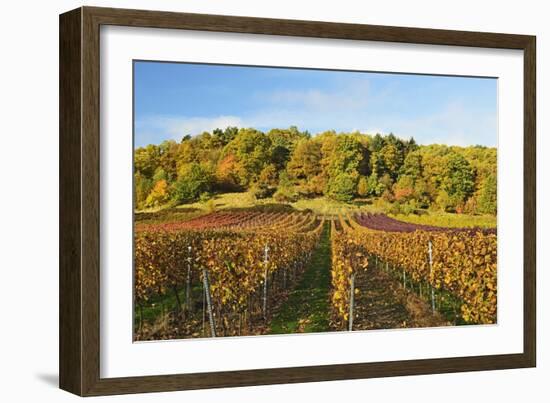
x=238, y=260
x=462, y=262
x=348, y=257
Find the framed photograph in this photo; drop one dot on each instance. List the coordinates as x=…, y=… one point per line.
x=248, y=201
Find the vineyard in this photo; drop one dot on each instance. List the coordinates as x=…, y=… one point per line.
x=252, y=272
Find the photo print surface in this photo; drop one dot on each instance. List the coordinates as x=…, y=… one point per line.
x=283, y=200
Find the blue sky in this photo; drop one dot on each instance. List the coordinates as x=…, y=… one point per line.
x=175, y=99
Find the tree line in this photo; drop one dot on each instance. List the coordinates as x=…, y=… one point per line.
x=289, y=164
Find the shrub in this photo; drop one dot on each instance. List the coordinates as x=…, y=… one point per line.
x=285, y=195
x=403, y=208
x=445, y=202
x=261, y=191
x=470, y=207
x=395, y=208
x=409, y=208
x=388, y=196
x=205, y=196
x=210, y=206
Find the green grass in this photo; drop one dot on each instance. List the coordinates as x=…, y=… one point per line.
x=442, y=219
x=224, y=201
x=158, y=305
x=245, y=200
x=164, y=303
x=307, y=307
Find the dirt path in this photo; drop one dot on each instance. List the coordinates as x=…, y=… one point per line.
x=383, y=303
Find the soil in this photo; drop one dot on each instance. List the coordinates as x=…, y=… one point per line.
x=383, y=303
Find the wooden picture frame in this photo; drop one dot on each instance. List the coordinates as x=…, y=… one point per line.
x=79, y=347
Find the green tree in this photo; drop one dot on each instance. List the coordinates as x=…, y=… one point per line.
x=230, y=133
x=410, y=146
x=159, y=194
x=412, y=166
x=280, y=156
x=377, y=143
x=287, y=138
x=142, y=188
x=305, y=161
x=269, y=176
x=457, y=178
x=160, y=174
x=285, y=192
x=347, y=156
x=146, y=160
x=392, y=159
x=374, y=187
x=251, y=149
x=451, y=177
x=488, y=195
x=188, y=152
x=169, y=151
x=193, y=179
x=342, y=187
x=444, y=201
x=363, y=186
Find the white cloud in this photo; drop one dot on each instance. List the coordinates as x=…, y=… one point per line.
x=345, y=98
x=175, y=127
x=372, y=130
x=453, y=124
x=342, y=108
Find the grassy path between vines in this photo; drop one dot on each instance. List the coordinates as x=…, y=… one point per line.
x=307, y=307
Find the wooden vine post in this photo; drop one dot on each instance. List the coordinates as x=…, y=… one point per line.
x=266, y=260
x=208, y=296
x=431, y=271
x=188, y=285
x=351, y=301
x=203, y=309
